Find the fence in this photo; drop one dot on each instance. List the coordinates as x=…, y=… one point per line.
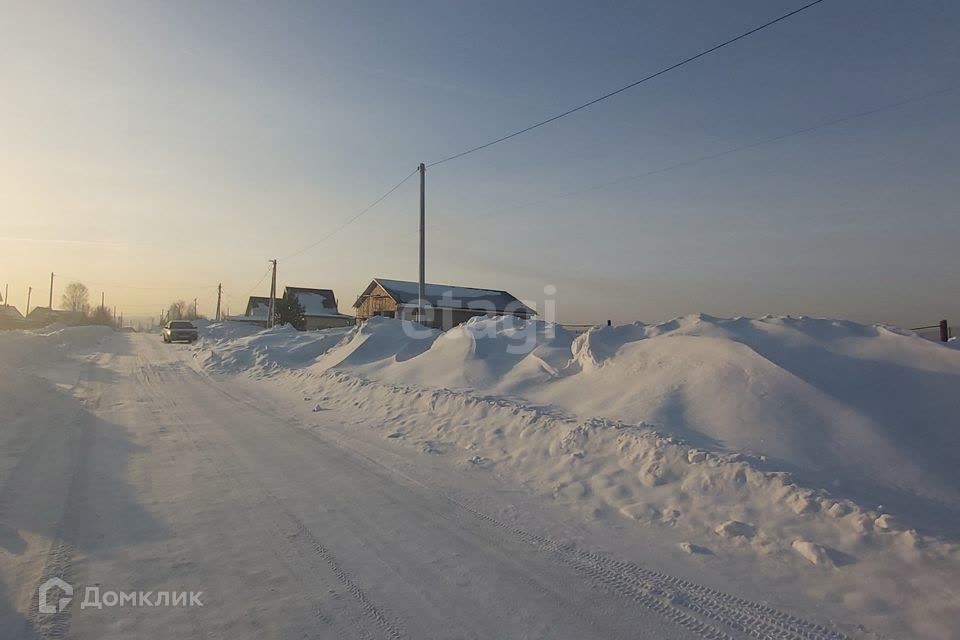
x=583, y=328
x=943, y=331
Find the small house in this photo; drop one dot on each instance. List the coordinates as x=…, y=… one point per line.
x=320, y=308
x=43, y=316
x=10, y=313
x=258, y=307
x=10, y=317
x=445, y=306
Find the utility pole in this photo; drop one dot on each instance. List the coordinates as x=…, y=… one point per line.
x=273, y=294
x=196, y=312
x=51, y=292
x=102, y=305
x=423, y=242
x=219, y=293
x=29, y=292
x=6, y=295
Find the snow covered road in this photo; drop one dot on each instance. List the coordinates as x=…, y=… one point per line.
x=130, y=469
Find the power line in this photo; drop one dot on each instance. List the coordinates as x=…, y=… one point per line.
x=745, y=147
x=350, y=221
x=133, y=286
x=677, y=65
x=247, y=294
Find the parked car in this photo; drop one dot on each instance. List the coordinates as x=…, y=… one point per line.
x=179, y=331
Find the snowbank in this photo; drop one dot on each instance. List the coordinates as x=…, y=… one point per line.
x=232, y=347
x=867, y=412
x=38, y=346
x=829, y=445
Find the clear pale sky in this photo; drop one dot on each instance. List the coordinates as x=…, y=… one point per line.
x=154, y=149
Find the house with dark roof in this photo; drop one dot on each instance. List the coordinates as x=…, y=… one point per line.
x=6, y=311
x=10, y=317
x=43, y=316
x=445, y=306
x=258, y=307
x=320, y=308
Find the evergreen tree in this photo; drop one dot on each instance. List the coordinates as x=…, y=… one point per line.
x=288, y=310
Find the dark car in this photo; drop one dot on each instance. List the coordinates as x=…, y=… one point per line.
x=179, y=331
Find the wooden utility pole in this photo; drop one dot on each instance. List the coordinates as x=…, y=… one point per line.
x=219, y=293
x=273, y=293
x=51, y=292
x=29, y=292
x=421, y=285
x=102, y=305
x=6, y=295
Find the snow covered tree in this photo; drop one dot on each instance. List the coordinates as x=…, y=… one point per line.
x=288, y=310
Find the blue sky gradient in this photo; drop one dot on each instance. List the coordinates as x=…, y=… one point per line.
x=183, y=144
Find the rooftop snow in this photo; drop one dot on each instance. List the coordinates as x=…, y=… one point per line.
x=448, y=296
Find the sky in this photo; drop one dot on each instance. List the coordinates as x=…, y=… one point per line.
x=155, y=149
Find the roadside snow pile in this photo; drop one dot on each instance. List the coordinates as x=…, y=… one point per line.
x=38, y=346
x=231, y=347
x=825, y=444
x=867, y=412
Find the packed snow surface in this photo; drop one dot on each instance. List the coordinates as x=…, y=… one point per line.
x=799, y=463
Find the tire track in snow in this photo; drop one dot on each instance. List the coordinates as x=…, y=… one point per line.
x=674, y=597
x=55, y=626
x=706, y=612
x=370, y=610
x=355, y=590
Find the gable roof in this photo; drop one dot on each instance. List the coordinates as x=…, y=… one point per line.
x=445, y=296
x=47, y=312
x=258, y=306
x=316, y=302
x=9, y=311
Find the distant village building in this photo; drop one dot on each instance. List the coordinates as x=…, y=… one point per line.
x=320, y=308
x=258, y=307
x=43, y=316
x=10, y=317
x=445, y=305
x=319, y=305
x=11, y=313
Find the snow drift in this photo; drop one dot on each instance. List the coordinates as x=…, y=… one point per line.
x=867, y=412
x=824, y=445
x=38, y=346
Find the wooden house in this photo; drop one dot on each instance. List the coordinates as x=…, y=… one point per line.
x=445, y=306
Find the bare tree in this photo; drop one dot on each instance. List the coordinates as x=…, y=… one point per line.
x=177, y=310
x=76, y=297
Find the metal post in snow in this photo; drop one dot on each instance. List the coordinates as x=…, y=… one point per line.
x=273, y=294
x=421, y=284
